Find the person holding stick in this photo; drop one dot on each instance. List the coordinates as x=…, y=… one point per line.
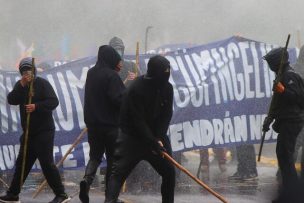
x=288, y=112
x=145, y=115
x=102, y=100
x=41, y=131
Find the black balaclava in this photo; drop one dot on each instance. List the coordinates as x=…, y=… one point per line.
x=273, y=59
x=108, y=56
x=26, y=65
x=118, y=45
x=158, y=70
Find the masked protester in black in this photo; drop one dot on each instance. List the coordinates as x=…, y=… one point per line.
x=103, y=95
x=145, y=116
x=41, y=131
x=288, y=114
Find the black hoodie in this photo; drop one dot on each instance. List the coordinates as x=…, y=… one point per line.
x=147, y=106
x=287, y=106
x=103, y=91
x=45, y=100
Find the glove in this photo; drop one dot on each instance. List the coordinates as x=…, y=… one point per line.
x=158, y=147
x=268, y=120
x=278, y=88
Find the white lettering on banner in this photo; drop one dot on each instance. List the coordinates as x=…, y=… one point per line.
x=55, y=151
x=176, y=136
x=224, y=73
x=255, y=58
x=194, y=134
x=2, y=166
x=36, y=165
x=206, y=132
x=14, y=110
x=198, y=133
x=9, y=156
x=218, y=131
x=240, y=131
x=181, y=94
x=3, y=106
x=237, y=78
x=68, y=123
x=76, y=83
x=86, y=151
x=225, y=80
x=248, y=69
x=69, y=161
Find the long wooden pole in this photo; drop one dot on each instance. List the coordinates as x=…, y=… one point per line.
x=201, y=183
x=28, y=116
x=4, y=183
x=76, y=142
x=137, y=59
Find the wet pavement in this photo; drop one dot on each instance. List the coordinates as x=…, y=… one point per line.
x=262, y=190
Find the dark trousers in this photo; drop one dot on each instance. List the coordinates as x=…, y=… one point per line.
x=127, y=158
x=246, y=159
x=288, y=132
x=40, y=146
x=101, y=140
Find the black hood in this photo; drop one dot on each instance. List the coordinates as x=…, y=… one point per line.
x=158, y=70
x=26, y=64
x=108, y=56
x=273, y=58
x=118, y=45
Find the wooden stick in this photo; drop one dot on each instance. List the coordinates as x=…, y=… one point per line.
x=76, y=142
x=137, y=59
x=4, y=183
x=201, y=183
x=28, y=116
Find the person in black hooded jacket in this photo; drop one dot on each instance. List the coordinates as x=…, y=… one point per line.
x=102, y=100
x=145, y=115
x=288, y=112
x=41, y=131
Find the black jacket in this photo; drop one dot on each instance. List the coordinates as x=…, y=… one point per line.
x=289, y=104
x=146, y=110
x=45, y=100
x=103, y=91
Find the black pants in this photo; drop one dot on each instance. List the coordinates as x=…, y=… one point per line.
x=40, y=146
x=101, y=140
x=127, y=155
x=246, y=159
x=288, y=132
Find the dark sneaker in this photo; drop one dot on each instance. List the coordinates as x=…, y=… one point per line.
x=249, y=177
x=61, y=199
x=84, y=192
x=236, y=176
x=9, y=198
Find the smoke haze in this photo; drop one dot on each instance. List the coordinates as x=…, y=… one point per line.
x=69, y=29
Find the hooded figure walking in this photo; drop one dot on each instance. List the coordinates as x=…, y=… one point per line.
x=41, y=132
x=299, y=68
x=288, y=113
x=145, y=115
x=102, y=100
